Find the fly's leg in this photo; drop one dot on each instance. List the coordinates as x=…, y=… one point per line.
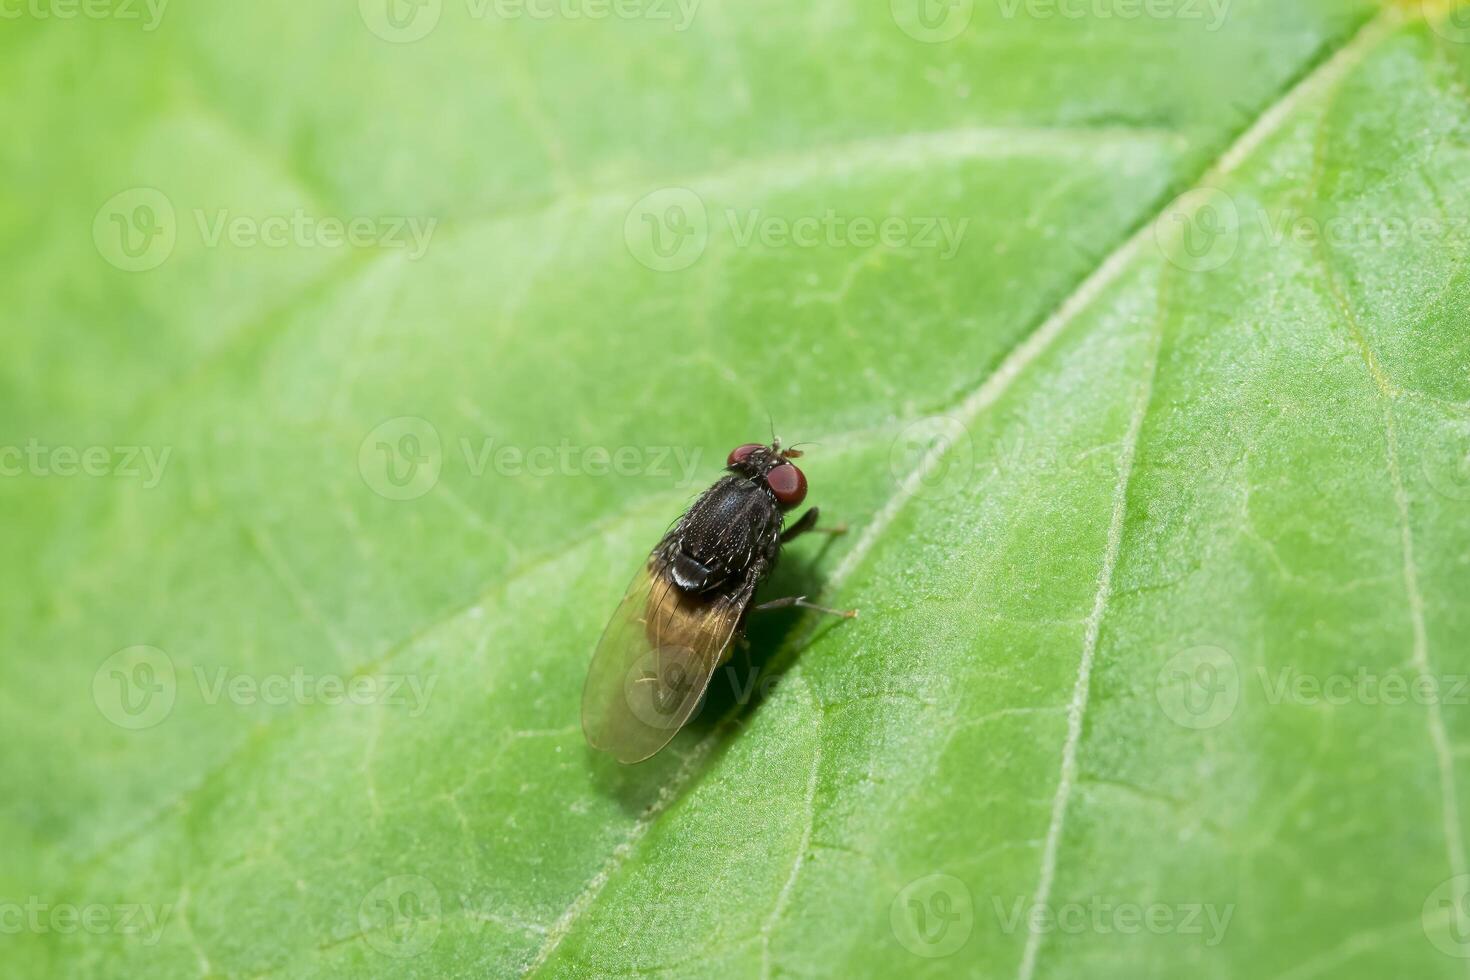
x=803, y=524
x=800, y=602
x=808, y=522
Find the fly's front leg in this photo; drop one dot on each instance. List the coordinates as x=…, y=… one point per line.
x=800, y=602
x=808, y=522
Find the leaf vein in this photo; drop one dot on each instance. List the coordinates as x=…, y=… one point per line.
x=1082, y=686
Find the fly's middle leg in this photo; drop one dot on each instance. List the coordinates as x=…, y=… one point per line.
x=800, y=602
x=808, y=522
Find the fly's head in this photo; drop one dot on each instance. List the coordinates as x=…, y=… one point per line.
x=772, y=466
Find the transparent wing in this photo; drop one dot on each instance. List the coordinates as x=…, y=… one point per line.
x=654, y=662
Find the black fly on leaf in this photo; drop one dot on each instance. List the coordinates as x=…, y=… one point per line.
x=685, y=608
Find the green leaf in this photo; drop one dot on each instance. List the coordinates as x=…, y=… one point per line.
x=1148, y=411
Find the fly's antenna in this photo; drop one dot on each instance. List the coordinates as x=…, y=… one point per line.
x=795, y=451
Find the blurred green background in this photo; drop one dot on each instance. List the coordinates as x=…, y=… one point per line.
x=355, y=353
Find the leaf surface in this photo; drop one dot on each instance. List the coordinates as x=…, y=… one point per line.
x=1126, y=478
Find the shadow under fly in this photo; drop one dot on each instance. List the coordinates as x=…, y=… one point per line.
x=758, y=661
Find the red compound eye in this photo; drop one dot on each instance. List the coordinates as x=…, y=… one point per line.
x=741, y=453
x=788, y=484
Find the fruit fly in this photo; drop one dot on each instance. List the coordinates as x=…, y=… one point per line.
x=687, y=606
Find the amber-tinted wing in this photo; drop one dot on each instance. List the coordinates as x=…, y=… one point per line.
x=654, y=662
